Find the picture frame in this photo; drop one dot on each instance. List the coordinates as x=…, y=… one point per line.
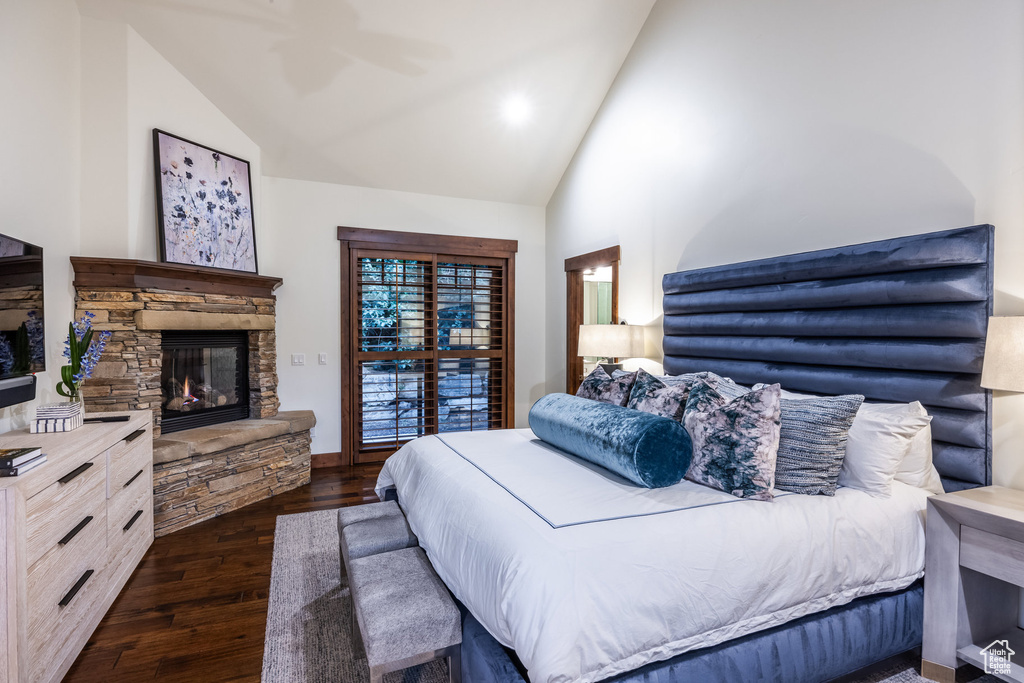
x=204, y=205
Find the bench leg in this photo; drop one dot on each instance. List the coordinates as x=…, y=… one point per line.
x=357, y=637
x=455, y=666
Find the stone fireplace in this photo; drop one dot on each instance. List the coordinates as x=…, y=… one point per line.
x=152, y=310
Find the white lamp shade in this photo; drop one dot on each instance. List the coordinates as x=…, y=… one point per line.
x=611, y=341
x=1004, y=354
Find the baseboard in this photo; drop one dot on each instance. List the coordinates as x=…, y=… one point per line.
x=321, y=460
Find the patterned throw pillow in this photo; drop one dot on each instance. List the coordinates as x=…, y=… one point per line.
x=600, y=387
x=812, y=442
x=734, y=442
x=651, y=395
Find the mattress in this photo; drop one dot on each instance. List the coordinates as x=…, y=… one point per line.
x=587, y=576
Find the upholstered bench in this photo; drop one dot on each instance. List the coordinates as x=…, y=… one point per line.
x=404, y=612
x=361, y=513
x=365, y=530
x=371, y=529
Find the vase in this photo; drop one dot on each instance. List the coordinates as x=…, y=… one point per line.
x=76, y=397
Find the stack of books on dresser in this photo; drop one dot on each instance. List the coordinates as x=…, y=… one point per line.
x=57, y=417
x=15, y=461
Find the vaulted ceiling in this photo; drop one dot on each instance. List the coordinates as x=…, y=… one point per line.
x=400, y=94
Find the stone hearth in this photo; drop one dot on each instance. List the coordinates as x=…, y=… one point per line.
x=204, y=472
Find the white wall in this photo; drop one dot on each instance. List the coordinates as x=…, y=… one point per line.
x=80, y=181
x=39, y=186
x=302, y=247
x=128, y=89
x=739, y=130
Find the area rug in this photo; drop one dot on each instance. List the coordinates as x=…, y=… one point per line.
x=310, y=614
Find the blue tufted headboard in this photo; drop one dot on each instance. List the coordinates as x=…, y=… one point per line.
x=896, y=320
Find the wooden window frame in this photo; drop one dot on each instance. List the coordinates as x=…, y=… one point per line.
x=415, y=245
x=574, y=268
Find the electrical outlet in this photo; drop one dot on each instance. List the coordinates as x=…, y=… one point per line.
x=312, y=432
x=298, y=359
x=323, y=359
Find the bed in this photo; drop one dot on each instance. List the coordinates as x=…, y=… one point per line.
x=577, y=571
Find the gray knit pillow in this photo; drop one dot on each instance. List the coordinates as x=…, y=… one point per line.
x=812, y=442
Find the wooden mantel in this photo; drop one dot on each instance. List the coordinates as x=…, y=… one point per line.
x=111, y=273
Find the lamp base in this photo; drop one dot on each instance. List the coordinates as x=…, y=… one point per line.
x=611, y=367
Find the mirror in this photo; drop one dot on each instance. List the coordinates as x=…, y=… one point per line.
x=22, y=349
x=592, y=298
x=597, y=304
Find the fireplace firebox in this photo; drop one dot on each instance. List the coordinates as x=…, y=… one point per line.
x=205, y=379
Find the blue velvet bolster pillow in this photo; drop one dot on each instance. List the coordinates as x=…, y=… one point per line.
x=649, y=450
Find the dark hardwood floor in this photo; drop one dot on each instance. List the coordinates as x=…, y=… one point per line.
x=196, y=607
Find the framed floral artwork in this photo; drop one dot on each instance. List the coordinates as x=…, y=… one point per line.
x=204, y=205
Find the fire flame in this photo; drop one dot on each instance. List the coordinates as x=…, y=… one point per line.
x=186, y=396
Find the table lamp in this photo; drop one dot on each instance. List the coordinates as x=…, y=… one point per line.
x=1004, y=354
x=610, y=342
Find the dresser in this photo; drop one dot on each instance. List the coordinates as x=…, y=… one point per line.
x=72, y=532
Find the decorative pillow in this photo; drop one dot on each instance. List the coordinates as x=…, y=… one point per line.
x=651, y=395
x=598, y=386
x=689, y=378
x=725, y=386
x=812, y=441
x=879, y=441
x=917, y=468
x=734, y=442
x=646, y=449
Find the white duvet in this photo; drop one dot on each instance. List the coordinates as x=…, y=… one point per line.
x=586, y=575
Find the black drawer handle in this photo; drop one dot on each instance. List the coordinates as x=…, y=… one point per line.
x=66, y=600
x=137, y=475
x=74, y=532
x=134, y=435
x=131, y=522
x=74, y=473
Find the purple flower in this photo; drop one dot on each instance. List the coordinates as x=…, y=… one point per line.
x=93, y=353
x=84, y=361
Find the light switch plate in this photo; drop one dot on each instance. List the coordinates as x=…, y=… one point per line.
x=298, y=359
x=323, y=359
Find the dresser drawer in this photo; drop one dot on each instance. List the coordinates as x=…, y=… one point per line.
x=123, y=506
x=50, y=579
x=67, y=500
x=133, y=535
x=127, y=467
x=132, y=441
x=58, y=633
x=991, y=554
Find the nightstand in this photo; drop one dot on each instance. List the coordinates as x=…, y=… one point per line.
x=974, y=566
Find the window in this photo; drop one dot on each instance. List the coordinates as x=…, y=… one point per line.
x=427, y=338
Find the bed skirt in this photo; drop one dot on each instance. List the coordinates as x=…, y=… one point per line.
x=815, y=648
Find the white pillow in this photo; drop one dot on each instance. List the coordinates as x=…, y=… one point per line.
x=879, y=441
x=917, y=468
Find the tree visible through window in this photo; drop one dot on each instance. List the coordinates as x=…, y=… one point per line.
x=430, y=351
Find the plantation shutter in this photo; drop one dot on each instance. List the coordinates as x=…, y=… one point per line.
x=430, y=346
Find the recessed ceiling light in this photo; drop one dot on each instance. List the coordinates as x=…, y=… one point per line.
x=516, y=110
